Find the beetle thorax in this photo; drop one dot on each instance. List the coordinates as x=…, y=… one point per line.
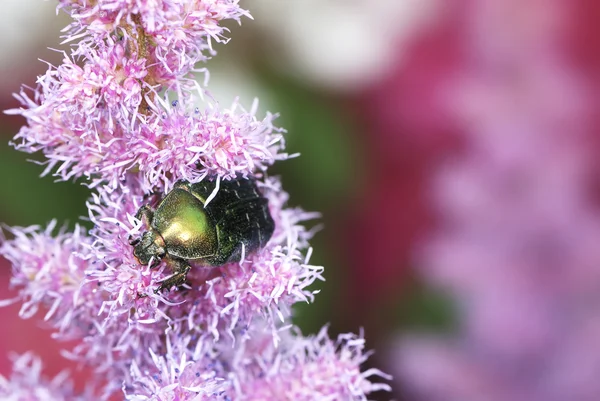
x=187, y=230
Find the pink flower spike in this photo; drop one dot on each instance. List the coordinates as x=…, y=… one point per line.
x=304, y=368
x=124, y=114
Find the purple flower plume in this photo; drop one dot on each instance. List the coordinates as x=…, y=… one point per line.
x=517, y=243
x=88, y=123
x=311, y=368
x=124, y=113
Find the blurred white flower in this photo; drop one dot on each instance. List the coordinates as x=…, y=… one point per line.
x=343, y=45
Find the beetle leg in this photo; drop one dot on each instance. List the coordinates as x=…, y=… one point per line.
x=145, y=212
x=155, y=263
x=180, y=270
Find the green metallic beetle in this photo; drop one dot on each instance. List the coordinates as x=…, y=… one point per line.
x=183, y=230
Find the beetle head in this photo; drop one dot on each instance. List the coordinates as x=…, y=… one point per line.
x=150, y=245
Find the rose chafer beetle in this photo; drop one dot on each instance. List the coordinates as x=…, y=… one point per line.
x=183, y=230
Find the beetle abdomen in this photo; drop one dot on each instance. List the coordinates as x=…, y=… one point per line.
x=241, y=216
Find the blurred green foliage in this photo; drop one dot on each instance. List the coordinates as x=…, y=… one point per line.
x=422, y=308
x=27, y=199
x=321, y=180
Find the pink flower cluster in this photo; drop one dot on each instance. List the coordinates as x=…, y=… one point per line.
x=104, y=119
x=122, y=113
